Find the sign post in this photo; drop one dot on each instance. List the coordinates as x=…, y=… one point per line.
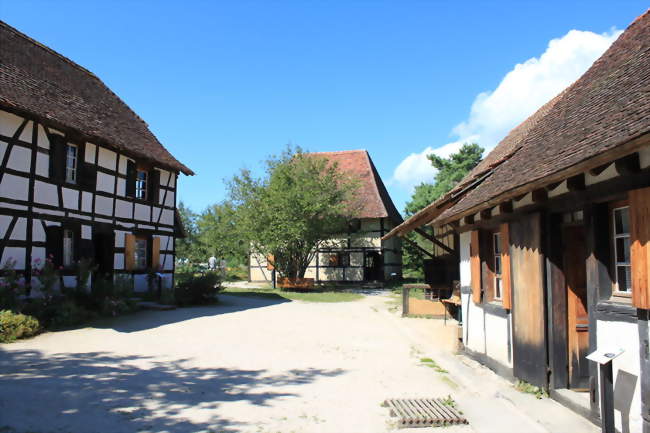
x=604, y=358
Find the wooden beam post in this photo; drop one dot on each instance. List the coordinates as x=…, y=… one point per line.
x=422, y=250
x=434, y=240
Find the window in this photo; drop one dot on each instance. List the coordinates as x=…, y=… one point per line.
x=141, y=185
x=621, y=233
x=68, y=248
x=339, y=259
x=140, y=252
x=496, y=248
x=71, y=163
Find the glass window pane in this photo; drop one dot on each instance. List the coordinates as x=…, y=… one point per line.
x=497, y=243
x=68, y=248
x=624, y=278
x=623, y=250
x=622, y=220
x=497, y=265
x=497, y=288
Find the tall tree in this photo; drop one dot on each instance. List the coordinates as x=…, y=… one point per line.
x=450, y=171
x=188, y=248
x=218, y=233
x=301, y=203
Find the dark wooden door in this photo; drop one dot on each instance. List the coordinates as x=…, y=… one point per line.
x=528, y=313
x=104, y=249
x=374, y=270
x=575, y=275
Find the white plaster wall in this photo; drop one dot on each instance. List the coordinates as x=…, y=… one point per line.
x=70, y=198
x=644, y=157
x=496, y=338
x=42, y=138
x=42, y=164
x=354, y=274
x=107, y=158
x=121, y=187
x=5, y=220
x=164, y=176
x=20, y=159
x=3, y=149
x=559, y=190
x=627, y=377
x=89, y=153
x=123, y=209
x=38, y=234
x=167, y=217
x=169, y=199
x=118, y=261
x=46, y=193
x=142, y=212
x=26, y=135
x=167, y=262
x=86, y=202
x=103, y=205
x=19, y=232
x=38, y=254
x=9, y=123
x=119, y=238
x=356, y=259
x=260, y=274
x=15, y=253
x=86, y=232
x=140, y=283
x=105, y=182
x=14, y=187
x=609, y=173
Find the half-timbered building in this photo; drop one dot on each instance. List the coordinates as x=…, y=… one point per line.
x=554, y=240
x=360, y=255
x=81, y=175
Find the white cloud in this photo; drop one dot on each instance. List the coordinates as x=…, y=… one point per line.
x=519, y=94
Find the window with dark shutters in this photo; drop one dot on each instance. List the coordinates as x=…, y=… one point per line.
x=57, y=157
x=154, y=186
x=131, y=173
x=54, y=244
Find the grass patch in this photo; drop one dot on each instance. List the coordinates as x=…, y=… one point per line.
x=527, y=388
x=311, y=296
x=432, y=364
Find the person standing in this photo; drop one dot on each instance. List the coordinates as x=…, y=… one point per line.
x=212, y=263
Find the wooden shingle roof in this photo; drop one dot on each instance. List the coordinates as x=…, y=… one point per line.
x=600, y=114
x=36, y=80
x=373, y=197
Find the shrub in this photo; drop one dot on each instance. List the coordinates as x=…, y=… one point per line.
x=69, y=313
x=197, y=289
x=12, y=285
x=14, y=326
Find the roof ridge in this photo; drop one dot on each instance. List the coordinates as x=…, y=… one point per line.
x=339, y=151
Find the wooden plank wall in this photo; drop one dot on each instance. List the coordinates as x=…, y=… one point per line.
x=529, y=345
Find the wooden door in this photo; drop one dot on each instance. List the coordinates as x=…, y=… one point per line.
x=575, y=275
x=528, y=311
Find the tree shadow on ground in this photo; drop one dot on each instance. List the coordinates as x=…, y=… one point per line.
x=152, y=319
x=102, y=392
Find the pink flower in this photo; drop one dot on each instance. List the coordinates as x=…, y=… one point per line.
x=60, y=267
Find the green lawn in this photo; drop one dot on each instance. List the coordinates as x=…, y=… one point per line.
x=312, y=296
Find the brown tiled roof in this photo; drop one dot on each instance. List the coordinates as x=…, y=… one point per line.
x=605, y=108
x=373, y=197
x=37, y=80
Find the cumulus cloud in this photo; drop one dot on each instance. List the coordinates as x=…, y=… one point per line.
x=519, y=94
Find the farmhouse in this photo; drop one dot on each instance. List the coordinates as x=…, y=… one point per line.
x=81, y=175
x=554, y=239
x=360, y=254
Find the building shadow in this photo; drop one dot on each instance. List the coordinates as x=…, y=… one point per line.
x=104, y=392
x=623, y=396
x=227, y=304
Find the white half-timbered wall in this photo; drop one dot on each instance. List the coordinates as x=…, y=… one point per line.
x=30, y=201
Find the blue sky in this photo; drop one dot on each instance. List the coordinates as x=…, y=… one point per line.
x=224, y=84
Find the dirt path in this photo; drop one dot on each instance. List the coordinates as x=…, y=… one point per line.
x=247, y=365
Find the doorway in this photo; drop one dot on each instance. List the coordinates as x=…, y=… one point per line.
x=104, y=244
x=575, y=254
x=374, y=269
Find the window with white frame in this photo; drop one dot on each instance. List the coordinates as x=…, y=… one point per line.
x=622, y=265
x=68, y=248
x=141, y=185
x=71, y=163
x=140, y=252
x=496, y=248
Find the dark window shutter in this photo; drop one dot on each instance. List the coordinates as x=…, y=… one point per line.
x=130, y=178
x=154, y=186
x=86, y=173
x=54, y=244
x=86, y=249
x=57, y=157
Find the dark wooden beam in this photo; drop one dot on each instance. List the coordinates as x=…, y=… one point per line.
x=486, y=214
x=576, y=183
x=454, y=224
x=422, y=250
x=540, y=195
x=597, y=170
x=469, y=219
x=628, y=164
x=520, y=197
x=505, y=207
x=552, y=186
x=434, y=240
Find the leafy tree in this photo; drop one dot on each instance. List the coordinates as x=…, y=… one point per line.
x=298, y=206
x=450, y=171
x=218, y=234
x=188, y=248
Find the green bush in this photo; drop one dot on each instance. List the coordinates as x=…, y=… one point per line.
x=69, y=313
x=196, y=289
x=14, y=326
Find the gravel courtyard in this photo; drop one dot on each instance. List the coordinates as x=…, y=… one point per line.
x=249, y=365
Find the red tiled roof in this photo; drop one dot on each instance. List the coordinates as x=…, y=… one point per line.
x=39, y=81
x=373, y=196
x=605, y=108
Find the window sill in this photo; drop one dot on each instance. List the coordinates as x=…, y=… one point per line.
x=495, y=307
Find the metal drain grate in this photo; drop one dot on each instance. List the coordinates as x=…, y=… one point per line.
x=424, y=412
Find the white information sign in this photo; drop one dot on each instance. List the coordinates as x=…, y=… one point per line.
x=603, y=356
